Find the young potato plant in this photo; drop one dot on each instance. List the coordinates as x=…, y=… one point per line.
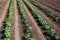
x=7, y=27
x=27, y=37
x=50, y=32
x=7, y=31
x=28, y=28
x=31, y=38
x=56, y=37
x=46, y=27
x=6, y=39
x=41, y=20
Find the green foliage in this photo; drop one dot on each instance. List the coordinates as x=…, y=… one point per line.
x=48, y=13
x=56, y=37
x=7, y=27
x=25, y=21
x=7, y=31
x=41, y=20
x=50, y=32
x=27, y=35
x=28, y=28
x=6, y=39
x=30, y=38
x=46, y=27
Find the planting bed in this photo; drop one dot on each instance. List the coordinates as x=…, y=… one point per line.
x=23, y=20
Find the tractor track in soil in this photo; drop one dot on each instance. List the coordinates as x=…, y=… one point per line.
x=51, y=24
x=3, y=17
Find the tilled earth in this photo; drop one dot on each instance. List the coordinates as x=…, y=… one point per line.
x=17, y=27
x=55, y=4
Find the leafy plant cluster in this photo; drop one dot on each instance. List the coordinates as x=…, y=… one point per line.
x=28, y=28
x=49, y=31
x=8, y=19
x=48, y=13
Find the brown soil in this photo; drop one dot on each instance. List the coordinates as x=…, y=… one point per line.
x=53, y=25
x=55, y=4
x=17, y=30
x=2, y=7
x=50, y=9
x=3, y=3
x=3, y=16
x=17, y=27
x=36, y=32
x=0, y=1
x=46, y=14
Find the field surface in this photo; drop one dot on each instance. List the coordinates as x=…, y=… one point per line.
x=29, y=20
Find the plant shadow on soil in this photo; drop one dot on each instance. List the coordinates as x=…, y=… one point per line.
x=23, y=38
x=2, y=32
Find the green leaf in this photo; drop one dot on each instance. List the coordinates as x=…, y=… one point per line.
x=28, y=28
x=6, y=39
x=27, y=35
x=50, y=32
x=56, y=37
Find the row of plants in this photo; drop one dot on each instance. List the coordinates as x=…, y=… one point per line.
x=7, y=23
x=28, y=28
x=48, y=13
x=45, y=25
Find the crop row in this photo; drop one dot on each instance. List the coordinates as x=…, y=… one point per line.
x=28, y=28
x=48, y=13
x=49, y=31
x=7, y=23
